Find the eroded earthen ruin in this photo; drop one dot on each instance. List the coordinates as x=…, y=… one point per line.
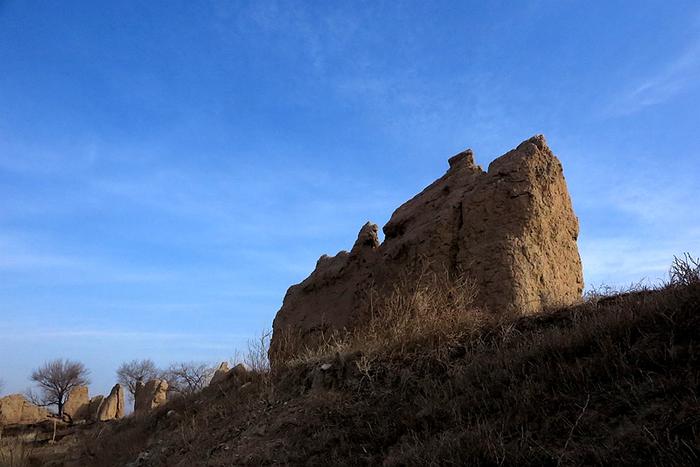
x=16, y=409
x=511, y=230
x=77, y=406
x=112, y=406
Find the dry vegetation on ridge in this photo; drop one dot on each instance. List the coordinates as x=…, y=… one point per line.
x=611, y=381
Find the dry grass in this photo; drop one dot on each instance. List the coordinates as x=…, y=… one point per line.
x=16, y=452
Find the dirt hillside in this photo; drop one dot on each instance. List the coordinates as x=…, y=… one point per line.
x=612, y=381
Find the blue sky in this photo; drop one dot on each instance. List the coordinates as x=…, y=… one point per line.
x=168, y=169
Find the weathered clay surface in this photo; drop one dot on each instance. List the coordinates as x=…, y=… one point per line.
x=511, y=229
x=16, y=409
x=77, y=407
x=112, y=407
x=151, y=395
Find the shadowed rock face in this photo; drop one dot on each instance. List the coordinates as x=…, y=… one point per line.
x=94, y=407
x=511, y=229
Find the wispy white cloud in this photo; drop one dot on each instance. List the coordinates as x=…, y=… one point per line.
x=635, y=211
x=24, y=261
x=28, y=158
x=216, y=203
x=622, y=260
x=18, y=256
x=677, y=76
x=313, y=35
x=666, y=205
x=397, y=96
x=657, y=197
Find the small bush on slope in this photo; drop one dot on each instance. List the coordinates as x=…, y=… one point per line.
x=612, y=381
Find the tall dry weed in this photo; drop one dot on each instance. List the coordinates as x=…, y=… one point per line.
x=684, y=271
x=256, y=356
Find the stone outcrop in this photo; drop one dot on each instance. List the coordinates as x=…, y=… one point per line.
x=16, y=409
x=219, y=374
x=112, y=406
x=511, y=230
x=77, y=406
x=150, y=395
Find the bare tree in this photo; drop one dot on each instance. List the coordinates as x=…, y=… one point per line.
x=2, y=385
x=186, y=378
x=55, y=380
x=256, y=358
x=135, y=371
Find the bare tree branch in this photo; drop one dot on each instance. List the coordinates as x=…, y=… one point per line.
x=55, y=379
x=186, y=378
x=135, y=371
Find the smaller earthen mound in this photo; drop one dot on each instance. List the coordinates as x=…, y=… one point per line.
x=151, y=395
x=16, y=409
x=112, y=407
x=219, y=374
x=77, y=407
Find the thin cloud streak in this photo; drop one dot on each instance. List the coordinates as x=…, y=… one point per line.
x=118, y=335
x=20, y=258
x=675, y=78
